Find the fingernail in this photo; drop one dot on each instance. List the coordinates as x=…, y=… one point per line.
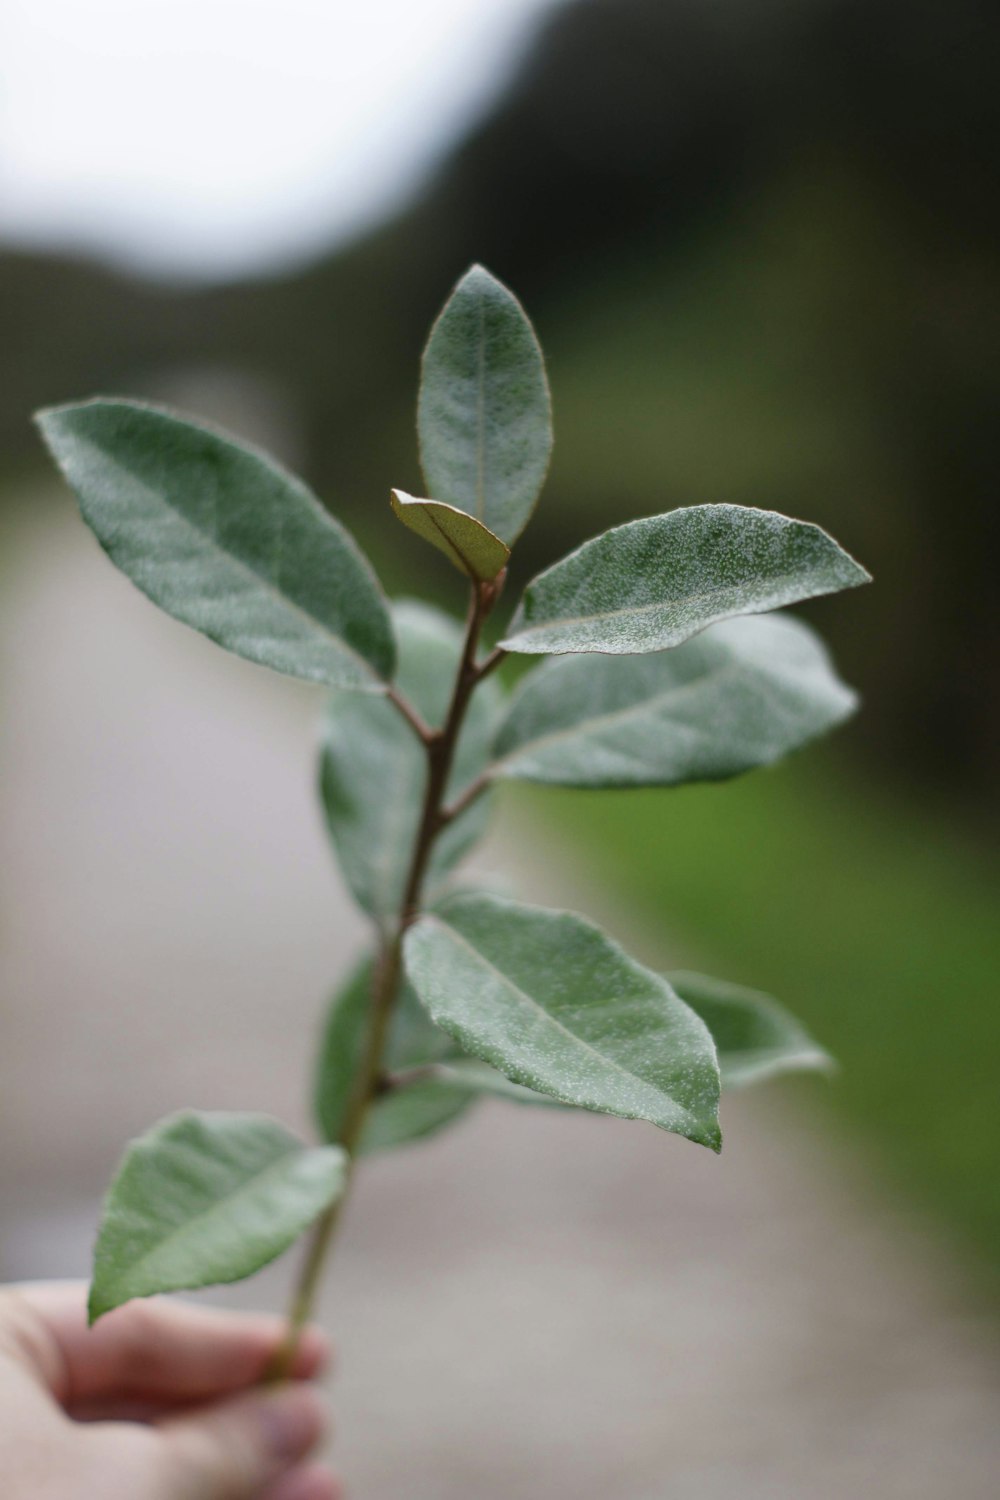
x=293, y=1420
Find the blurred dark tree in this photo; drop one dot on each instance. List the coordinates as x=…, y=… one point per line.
x=641, y=138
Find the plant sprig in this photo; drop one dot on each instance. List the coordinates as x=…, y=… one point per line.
x=667, y=666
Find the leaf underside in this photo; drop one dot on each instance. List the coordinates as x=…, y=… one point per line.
x=469, y=545
x=654, y=583
x=223, y=539
x=549, y=1001
x=207, y=1198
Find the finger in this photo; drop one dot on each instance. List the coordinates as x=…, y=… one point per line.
x=164, y=1351
x=309, y=1482
x=234, y=1450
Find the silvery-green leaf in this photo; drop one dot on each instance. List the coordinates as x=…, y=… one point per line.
x=374, y=769
x=341, y=1050
x=407, y=1114
x=465, y=542
x=741, y=694
x=426, y=1104
x=548, y=1000
x=207, y=1198
x=469, y=1075
x=484, y=416
x=654, y=583
x=414, y=1042
x=222, y=538
x=756, y=1038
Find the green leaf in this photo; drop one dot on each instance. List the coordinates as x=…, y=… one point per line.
x=407, y=1113
x=207, y=1198
x=414, y=1042
x=755, y=1037
x=552, y=1003
x=741, y=694
x=654, y=583
x=484, y=416
x=341, y=1050
x=466, y=542
x=223, y=539
x=469, y=1075
x=373, y=768
x=426, y=1104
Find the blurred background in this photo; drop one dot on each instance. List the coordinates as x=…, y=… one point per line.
x=761, y=246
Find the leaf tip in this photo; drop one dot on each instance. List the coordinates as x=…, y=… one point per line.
x=854, y=573
x=477, y=272
x=858, y=573
x=49, y=420
x=481, y=280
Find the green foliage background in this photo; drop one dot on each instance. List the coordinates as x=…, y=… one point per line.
x=871, y=919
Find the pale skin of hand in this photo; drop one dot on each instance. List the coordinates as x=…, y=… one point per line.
x=159, y=1401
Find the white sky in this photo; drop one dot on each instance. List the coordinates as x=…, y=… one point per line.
x=206, y=138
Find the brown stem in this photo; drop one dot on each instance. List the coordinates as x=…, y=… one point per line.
x=440, y=746
x=384, y=985
x=389, y=1083
x=465, y=799
x=491, y=662
x=441, y=754
x=420, y=729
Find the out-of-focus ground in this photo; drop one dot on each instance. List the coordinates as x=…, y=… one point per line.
x=533, y=1304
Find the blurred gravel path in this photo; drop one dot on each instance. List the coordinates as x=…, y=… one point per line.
x=533, y=1306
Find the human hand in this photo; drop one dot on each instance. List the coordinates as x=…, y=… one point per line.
x=159, y=1401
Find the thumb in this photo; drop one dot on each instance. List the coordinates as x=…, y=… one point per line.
x=229, y=1451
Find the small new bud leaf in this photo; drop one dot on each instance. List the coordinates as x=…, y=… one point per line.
x=465, y=542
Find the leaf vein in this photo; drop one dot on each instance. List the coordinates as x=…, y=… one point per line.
x=678, y=602
x=206, y=1214
x=580, y=1042
x=255, y=578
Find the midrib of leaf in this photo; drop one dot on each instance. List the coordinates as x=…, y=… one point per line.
x=634, y=710
x=207, y=1214
x=678, y=601
x=458, y=555
x=211, y=534
x=579, y=1042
